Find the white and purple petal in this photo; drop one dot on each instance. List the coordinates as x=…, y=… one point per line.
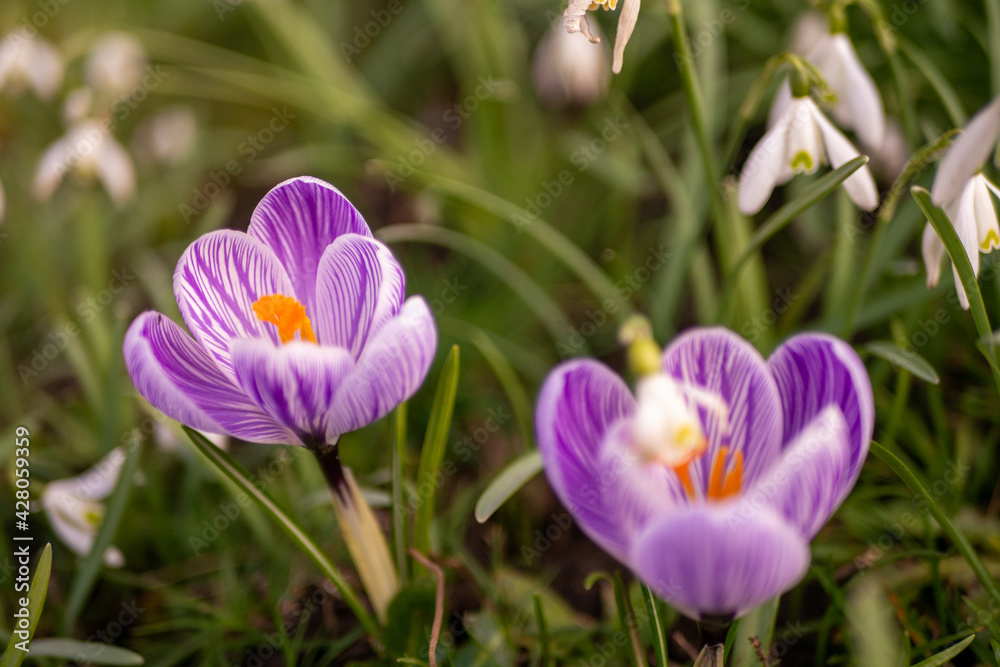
x=813, y=371
x=294, y=383
x=360, y=287
x=808, y=484
x=718, y=361
x=708, y=560
x=180, y=379
x=297, y=220
x=580, y=403
x=217, y=281
x=391, y=368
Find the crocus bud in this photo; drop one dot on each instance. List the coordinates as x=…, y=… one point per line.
x=570, y=71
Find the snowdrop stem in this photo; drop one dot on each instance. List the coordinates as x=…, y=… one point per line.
x=696, y=105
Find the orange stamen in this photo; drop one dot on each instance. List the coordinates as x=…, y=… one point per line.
x=685, y=477
x=723, y=484
x=287, y=314
x=734, y=480
x=715, y=482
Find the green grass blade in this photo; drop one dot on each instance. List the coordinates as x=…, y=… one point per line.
x=956, y=251
x=781, y=218
x=91, y=565
x=227, y=468
x=938, y=81
x=944, y=656
x=399, y=528
x=435, y=443
x=13, y=656
x=760, y=624
x=543, y=633
x=627, y=619
x=907, y=359
x=507, y=483
x=96, y=653
x=520, y=403
x=957, y=537
x=656, y=625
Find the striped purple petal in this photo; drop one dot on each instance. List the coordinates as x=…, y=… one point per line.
x=359, y=287
x=180, y=379
x=720, y=362
x=703, y=560
x=297, y=220
x=813, y=371
x=580, y=403
x=294, y=383
x=806, y=485
x=217, y=280
x=391, y=368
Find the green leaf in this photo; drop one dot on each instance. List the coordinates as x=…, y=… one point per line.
x=409, y=618
x=656, y=625
x=873, y=629
x=956, y=251
x=227, y=468
x=781, y=218
x=507, y=483
x=432, y=454
x=543, y=632
x=89, y=652
x=905, y=359
x=399, y=527
x=958, y=538
x=628, y=623
x=760, y=624
x=91, y=565
x=13, y=656
x=944, y=656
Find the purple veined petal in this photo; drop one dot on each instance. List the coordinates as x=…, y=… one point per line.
x=391, y=368
x=217, y=281
x=580, y=403
x=359, y=287
x=294, y=383
x=810, y=481
x=815, y=370
x=632, y=492
x=720, y=362
x=704, y=560
x=180, y=379
x=297, y=220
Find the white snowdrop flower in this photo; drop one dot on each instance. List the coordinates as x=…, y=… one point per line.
x=89, y=150
x=30, y=62
x=569, y=70
x=169, y=440
x=575, y=20
x=802, y=138
x=166, y=137
x=116, y=63
x=74, y=508
x=858, y=105
x=78, y=104
x=962, y=191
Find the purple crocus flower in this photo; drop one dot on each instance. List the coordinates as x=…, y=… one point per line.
x=299, y=330
x=711, y=481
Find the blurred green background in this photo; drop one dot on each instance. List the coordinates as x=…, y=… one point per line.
x=520, y=224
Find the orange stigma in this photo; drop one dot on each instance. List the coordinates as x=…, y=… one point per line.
x=722, y=484
x=287, y=314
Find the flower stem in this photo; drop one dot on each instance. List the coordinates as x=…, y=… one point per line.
x=696, y=104
x=328, y=457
